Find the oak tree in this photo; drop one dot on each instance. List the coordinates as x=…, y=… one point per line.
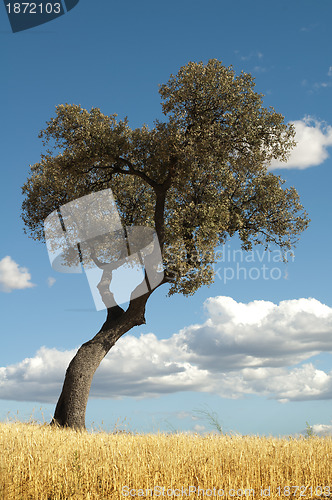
x=197, y=178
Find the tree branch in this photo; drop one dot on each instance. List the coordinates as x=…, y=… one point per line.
x=131, y=171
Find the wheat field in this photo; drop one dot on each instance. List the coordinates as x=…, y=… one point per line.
x=40, y=462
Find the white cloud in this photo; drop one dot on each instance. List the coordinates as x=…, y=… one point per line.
x=51, y=281
x=322, y=429
x=312, y=87
x=309, y=28
x=323, y=85
x=13, y=277
x=259, y=69
x=313, y=139
x=199, y=428
x=253, y=55
x=256, y=348
x=35, y=379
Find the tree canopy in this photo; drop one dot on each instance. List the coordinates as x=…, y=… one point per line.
x=197, y=178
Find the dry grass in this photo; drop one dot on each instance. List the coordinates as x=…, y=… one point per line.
x=38, y=462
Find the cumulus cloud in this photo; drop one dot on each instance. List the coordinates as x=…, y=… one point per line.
x=322, y=429
x=255, y=348
x=13, y=277
x=36, y=379
x=313, y=140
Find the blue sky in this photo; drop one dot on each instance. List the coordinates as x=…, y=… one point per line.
x=258, y=341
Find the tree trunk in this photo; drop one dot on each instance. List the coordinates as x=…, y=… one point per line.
x=71, y=407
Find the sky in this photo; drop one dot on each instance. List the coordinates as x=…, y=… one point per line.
x=253, y=350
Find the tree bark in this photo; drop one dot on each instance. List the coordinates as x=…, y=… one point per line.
x=71, y=407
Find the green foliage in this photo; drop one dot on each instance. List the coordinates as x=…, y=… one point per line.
x=309, y=430
x=212, y=419
x=198, y=178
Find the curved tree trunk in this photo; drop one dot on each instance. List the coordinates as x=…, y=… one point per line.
x=71, y=407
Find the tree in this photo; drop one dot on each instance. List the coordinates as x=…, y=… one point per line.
x=197, y=178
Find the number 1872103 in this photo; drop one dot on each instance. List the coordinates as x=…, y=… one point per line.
x=33, y=8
